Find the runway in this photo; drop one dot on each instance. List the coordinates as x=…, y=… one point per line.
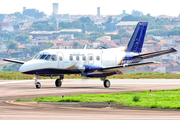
x=23, y=89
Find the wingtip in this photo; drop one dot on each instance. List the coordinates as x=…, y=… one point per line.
x=173, y=50
x=156, y=62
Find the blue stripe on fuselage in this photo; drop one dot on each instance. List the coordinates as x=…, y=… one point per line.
x=52, y=71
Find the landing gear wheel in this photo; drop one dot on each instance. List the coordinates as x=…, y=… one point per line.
x=58, y=83
x=38, y=85
x=107, y=83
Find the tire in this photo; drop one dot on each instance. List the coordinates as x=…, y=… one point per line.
x=107, y=83
x=58, y=83
x=38, y=85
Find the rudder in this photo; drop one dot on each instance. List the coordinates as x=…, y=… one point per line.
x=136, y=42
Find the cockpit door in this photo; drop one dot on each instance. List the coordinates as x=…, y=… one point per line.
x=60, y=60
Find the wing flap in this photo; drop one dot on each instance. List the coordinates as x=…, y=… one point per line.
x=14, y=61
x=154, y=54
x=128, y=66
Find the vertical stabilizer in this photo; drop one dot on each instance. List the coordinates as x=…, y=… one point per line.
x=136, y=42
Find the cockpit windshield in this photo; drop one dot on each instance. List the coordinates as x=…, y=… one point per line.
x=43, y=56
x=47, y=57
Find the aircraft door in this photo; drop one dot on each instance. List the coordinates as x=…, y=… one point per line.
x=90, y=59
x=60, y=60
x=108, y=58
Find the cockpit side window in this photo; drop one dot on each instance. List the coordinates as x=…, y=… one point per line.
x=39, y=56
x=43, y=56
x=53, y=57
x=48, y=57
x=35, y=57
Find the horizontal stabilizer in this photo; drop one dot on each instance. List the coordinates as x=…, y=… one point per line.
x=154, y=54
x=128, y=66
x=14, y=61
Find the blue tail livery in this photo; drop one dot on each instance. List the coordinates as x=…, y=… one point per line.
x=136, y=42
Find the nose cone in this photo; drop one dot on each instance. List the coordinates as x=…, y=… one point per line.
x=22, y=68
x=30, y=65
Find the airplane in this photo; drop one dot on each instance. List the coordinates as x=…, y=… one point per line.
x=98, y=63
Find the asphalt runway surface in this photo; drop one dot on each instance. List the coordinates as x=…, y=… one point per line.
x=23, y=89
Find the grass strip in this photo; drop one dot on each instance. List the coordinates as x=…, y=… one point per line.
x=157, y=99
x=18, y=75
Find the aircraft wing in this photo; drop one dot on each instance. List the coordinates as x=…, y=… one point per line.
x=14, y=61
x=154, y=54
x=128, y=66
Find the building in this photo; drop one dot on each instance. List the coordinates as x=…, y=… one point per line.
x=123, y=24
x=3, y=48
x=98, y=11
x=24, y=26
x=68, y=33
x=55, y=8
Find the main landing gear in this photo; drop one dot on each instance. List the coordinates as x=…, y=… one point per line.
x=58, y=82
x=106, y=82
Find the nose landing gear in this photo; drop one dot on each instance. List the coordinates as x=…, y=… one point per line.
x=38, y=84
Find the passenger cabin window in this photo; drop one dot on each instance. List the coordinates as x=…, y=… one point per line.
x=97, y=57
x=60, y=58
x=71, y=57
x=53, y=57
x=90, y=57
x=84, y=58
x=48, y=57
x=77, y=57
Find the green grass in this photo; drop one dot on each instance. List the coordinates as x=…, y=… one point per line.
x=18, y=75
x=157, y=99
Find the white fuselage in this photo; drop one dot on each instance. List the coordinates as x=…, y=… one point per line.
x=66, y=59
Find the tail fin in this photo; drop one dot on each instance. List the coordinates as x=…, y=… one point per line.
x=136, y=42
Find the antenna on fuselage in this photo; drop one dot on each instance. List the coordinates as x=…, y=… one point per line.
x=85, y=46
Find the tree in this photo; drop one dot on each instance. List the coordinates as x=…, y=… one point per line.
x=80, y=36
x=93, y=36
x=42, y=26
x=158, y=32
x=85, y=19
x=1, y=17
x=83, y=28
x=34, y=13
x=14, y=67
x=109, y=20
x=12, y=45
x=136, y=13
x=126, y=35
x=75, y=44
x=46, y=45
x=150, y=20
x=34, y=50
x=129, y=18
x=22, y=38
x=174, y=31
x=162, y=22
x=79, y=24
x=52, y=20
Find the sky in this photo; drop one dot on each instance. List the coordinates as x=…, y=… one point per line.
x=89, y=7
